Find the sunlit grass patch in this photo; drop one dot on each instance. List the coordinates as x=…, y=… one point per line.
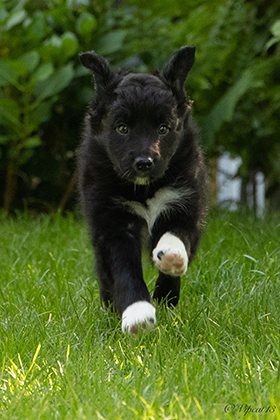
x=36, y=379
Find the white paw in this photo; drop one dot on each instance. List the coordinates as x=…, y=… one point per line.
x=142, y=313
x=170, y=255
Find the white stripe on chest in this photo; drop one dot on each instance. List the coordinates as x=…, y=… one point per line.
x=162, y=202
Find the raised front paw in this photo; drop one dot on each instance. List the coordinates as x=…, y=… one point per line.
x=139, y=313
x=170, y=255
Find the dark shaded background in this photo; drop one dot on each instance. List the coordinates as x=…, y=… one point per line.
x=235, y=84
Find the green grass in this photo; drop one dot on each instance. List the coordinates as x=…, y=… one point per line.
x=65, y=357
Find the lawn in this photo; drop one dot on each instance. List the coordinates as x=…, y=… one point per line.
x=63, y=356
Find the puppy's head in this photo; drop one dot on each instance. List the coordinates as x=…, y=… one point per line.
x=139, y=118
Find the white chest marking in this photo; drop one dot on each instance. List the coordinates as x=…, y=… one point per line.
x=162, y=202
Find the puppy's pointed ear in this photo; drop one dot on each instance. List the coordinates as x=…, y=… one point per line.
x=100, y=68
x=177, y=68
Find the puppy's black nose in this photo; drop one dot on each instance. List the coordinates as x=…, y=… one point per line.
x=144, y=164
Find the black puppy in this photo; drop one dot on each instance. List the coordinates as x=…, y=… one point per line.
x=140, y=164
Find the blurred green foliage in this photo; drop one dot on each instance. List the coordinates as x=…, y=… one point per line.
x=235, y=83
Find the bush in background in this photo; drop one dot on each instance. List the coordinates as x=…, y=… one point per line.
x=44, y=90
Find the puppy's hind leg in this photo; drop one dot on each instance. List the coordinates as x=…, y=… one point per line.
x=106, y=285
x=167, y=289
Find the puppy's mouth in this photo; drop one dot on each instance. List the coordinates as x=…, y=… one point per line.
x=139, y=178
x=136, y=178
x=142, y=180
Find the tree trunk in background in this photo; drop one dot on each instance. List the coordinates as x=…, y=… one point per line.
x=11, y=184
x=274, y=197
x=213, y=172
x=243, y=194
x=249, y=192
x=69, y=191
x=254, y=192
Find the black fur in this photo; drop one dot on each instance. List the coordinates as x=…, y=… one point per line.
x=112, y=163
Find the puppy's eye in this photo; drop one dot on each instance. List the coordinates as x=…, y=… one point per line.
x=163, y=129
x=122, y=129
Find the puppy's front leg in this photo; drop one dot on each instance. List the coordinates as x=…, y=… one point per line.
x=170, y=255
x=120, y=276
x=141, y=312
x=171, y=258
